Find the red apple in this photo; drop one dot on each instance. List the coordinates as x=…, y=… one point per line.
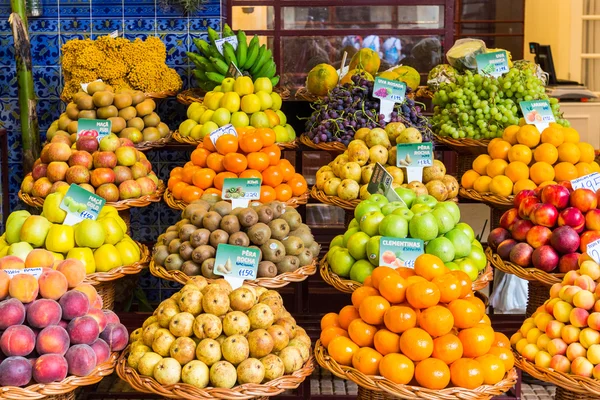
x=88, y=187
x=87, y=143
x=104, y=159
x=520, y=229
x=583, y=199
x=56, y=171
x=545, y=258
x=538, y=236
x=81, y=157
x=556, y=195
x=44, y=157
x=39, y=171
x=523, y=194
x=566, y=184
x=497, y=236
x=101, y=176
x=509, y=217
x=569, y=262
x=148, y=186
x=122, y=174
x=521, y=254
x=526, y=206
x=592, y=220
x=565, y=240
x=126, y=142
x=587, y=238
x=572, y=217
x=505, y=247
x=129, y=190
x=545, y=215
x=108, y=191
x=78, y=174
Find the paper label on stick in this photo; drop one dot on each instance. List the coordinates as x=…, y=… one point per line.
x=593, y=250
x=389, y=93
x=381, y=183
x=98, y=128
x=224, y=130
x=591, y=181
x=236, y=264
x=241, y=191
x=85, y=85
x=233, y=71
x=395, y=252
x=36, y=272
x=414, y=157
x=230, y=39
x=80, y=204
x=494, y=64
x=538, y=113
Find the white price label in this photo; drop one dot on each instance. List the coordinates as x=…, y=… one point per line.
x=591, y=181
x=593, y=250
x=36, y=272
x=231, y=39
x=224, y=130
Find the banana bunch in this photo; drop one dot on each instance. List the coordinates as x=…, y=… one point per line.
x=251, y=59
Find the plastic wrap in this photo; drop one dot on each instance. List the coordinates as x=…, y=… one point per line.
x=462, y=54
x=510, y=295
x=443, y=73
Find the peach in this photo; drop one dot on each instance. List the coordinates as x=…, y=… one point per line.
x=533, y=335
x=555, y=290
x=582, y=367
x=589, y=337
x=568, y=292
x=514, y=339
x=63, y=324
x=549, y=305
x=116, y=336
x=554, y=329
x=586, y=283
x=570, y=277
x=542, y=359
x=73, y=270
x=111, y=317
x=11, y=262
x=53, y=339
x=15, y=371
x=584, y=299
x=13, y=313
x=43, y=312
x=81, y=359
x=570, y=334
x=528, y=324
x=49, y=368
x=557, y=347
x=543, y=341
x=74, y=304
x=97, y=303
x=561, y=311
x=4, y=283
x=596, y=372
x=593, y=354
x=99, y=316
x=560, y=363
x=529, y=352
x=17, y=340
x=579, y=317
x=83, y=330
x=23, y=287
x=542, y=319
x=594, y=321
x=590, y=268
x=597, y=305
x=101, y=349
x=575, y=350
x=39, y=258
x=53, y=284
x=89, y=291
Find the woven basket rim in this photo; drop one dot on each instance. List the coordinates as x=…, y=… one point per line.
x=381, y=384
x=530, y=274
x=329, y=146
x=303, y=94
x=181, y=139
x=189, y=96
x=146, y=384
x=160, y=95
x=320, y=195
x=98, y=278
x=70, y=383
x=162, y=142
x=490, y=199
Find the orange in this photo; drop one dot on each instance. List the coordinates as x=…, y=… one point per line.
x=188, y=173
x=386, y=342
x=553, y=135
x=571, y=135
x=251, y=173
x=492, y=367
x=226, y=144
x=529, y=136
x=478, y=302
x=380, y=273
x=274, y=153
x=267, y=135
x=501, y=185
x=283, y=192
x=523, y=184
x=482, y=184
x=436, y=320
x=235, y=162
x=405, y=272
x=516, y=171
x=432, y=374
x=346, y=316
x=498, y=149
x=251, y=142
x=215, y=162
x=465, y=282
x=208, y=144
x=450, y=287
x=267, y=194
x=481, y=162
x=469, y=178
x=399, y=319
x=176, y=172
x=298, y=185
x=393, y=288
x=583, y=168
x=476, y=341
x=423, y=295
x=330, y=333
x=411, y=280
x=220, y=179
x=447, y=348
x=541, y=172
x=362, y=293
x=466, y=373
x=510, y=134
x=587, y=153
x=178, y=190
x=341, y=349
x=329, y=319
x=546, y=152
x=361, y=332
x=191, y=193
x=203, y=178
x=466, y=314
x=429, y=266
x=199, y=156
x=287, y=169
x=272, y=176
x=258, y=161
x=367, y=360
x=496, y=167
x=505, y=354
x=485, y=320
x=416, y=344
x=520, y=152
x=569, y=152
x=171, y=182
x=501, y=340
x=397, y=368
x=367, y=281
x=372, y=309
x=565, y=171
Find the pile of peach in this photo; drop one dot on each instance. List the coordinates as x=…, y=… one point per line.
x=52, y=325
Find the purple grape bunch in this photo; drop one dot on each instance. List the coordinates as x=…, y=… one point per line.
x=351, y=106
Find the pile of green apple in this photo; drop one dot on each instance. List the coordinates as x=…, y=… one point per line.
x=100, y=245
x=241, y=103
x=355, y=254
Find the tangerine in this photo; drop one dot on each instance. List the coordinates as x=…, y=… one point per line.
x=172, y=181
x=226, y=144
x=298, y=185
x=346, y=315
x=450, y=287
x=397, y=368
x=199, y=156
x=405, y=272
x=235, y=162
x=220, y=179
x=468, y=179
x=287, y=169
x=464, y=280
x=393, y=288
x=215, y=162
x=386, y=342
x=330, y=333
x=267, y=135
x=447, y=348
x=191, y=193
x=272, y=176
x=399, y=319
x=416, y=344
x=367, y=360
x=188, y=173
x=481, y=162
x=436, y=320
x=203, y=178
x=362, y=293
x=517, y=171
x=251, y=173
x=492, y=367
x=432, y=374
x=329, y=319
x=361, y=332
x=505, y=354
x=267, y=194
x=496, y=168
x=274, y=153
x=283, y=192
x=176, y=172
x=466, y=314
x=478, y=302
x=251, y=143
x=373, y=308
x=208, y=144
x=178, y=189
x=423, y=295
x=341, y=349
x=380, y=273
x=476, y=341
x=258, y=161
x=466, y=372
x=429, y=266
x=498, y=149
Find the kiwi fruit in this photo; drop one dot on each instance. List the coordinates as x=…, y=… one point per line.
x=199, y=237
x=163, y=129
x=72, y=127
x=137, y=97
x=266, y=269
x=248, y=217
x=172, y=228
x=89, y=114
x=152, y=120
x=107, y=112
x=293, y=245
x=315, y=248
x=174, y=245
x=185, y=250
x=160, y=238
x=161, y=252
x=211, y=198
x=189, y=210
x=259, y=252
x=293, y=218
x=118, y=124
x=122, y=100
x=173, y=262
x=169, y=236
x=288, y=264
x=72, y=111
x=305, y=257
x=278, y=208
x=279, y=228
x=207, y=269
x=230, y=224
x=306, y=236
x=197, y=216
x=217, y=237
x=259, y=233
x=185, y=231
x=182, y=222
x=203, y=203
x=222, y=207
x=202, y=253
x=96, y=86
x=103, y=99
x=150, y=134
x=63, y=122
x=128, y=113
x=136, y=123
x=273, y=250
x=211, y=220
x=265, y=214
x=146, y=107
x=239, y=239
x=190, y=268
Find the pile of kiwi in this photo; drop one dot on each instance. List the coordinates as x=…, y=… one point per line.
x=285, y=243
x=131, y=113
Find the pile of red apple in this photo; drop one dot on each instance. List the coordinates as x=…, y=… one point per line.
x=548, y=228
x=111, y=168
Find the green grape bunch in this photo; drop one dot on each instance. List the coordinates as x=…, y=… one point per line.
x=481, y=106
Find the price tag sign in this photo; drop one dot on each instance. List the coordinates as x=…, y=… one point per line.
x=593, y=250
x=538, y=113
x=233, y=71
x=114, y=34
x=494, y=64
x=36, y=272
x=236, y=264
x=97, y=128
x=224, y=130
x=591, y=181
x=85, y=85
x=381, y=183
x=241, y=191
x=231, y=39
x=395, y=252
x=80, y=204
x=414, y=157
x=389, y=93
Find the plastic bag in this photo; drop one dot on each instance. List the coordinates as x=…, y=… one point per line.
x=510, y=295
x=442, y=73
x=462, y=54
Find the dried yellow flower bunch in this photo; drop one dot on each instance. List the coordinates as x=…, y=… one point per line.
x=121, y=63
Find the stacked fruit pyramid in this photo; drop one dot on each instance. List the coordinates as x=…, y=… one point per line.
x=421, y=327
x=251, y=154
x=208, y=335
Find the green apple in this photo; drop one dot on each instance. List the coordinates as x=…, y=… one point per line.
x=240, y=119
x=19, y=249
x=196, y=132
x=263, y=84
x=393, y=226
x=361, y=270
x=423, y=227
x=364, y=207
x=369, y=223
x=197, y=113
x=468, y=266
x=347, y=235
x=442, y=248
x=276, y=101
x=427, y=200
x=373, y=250
x=14, y=223
x=186, y=127
x=404, y=213
x=337, y=241
x=291, y=132
x=476, y=243
x=478, y=257
x=281, y=134
x=357, y=245
x=213, y=101
x=266, y=102
x=452, y=266
x=221, y=116
x=419, y=209
x=89, y=233
x=467, y=230
x=379, y=199
x=353, y=223
x=392, y=206
x=460, y=241
x=282, y=117
x=208, y=128
x=193, y=108
x=407, y=196
x=444, y=220
x=259, y=120
x=452, y=208
x=341, y=262
x=227, y=84
x=206, y=116
x=331, y=252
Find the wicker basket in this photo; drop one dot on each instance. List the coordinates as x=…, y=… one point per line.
x=189, y=96
x=537, y=294
x=464, y=163
x=188, y=140
x=490, y=199
x=385, y=386
x=144, y=146
x=333, y=200
x=303, y=94
x=276, y=282
x=349, y=286
x=60, y=390
x=104, y=282
x=147, y=384
x=161, y=95
x=464, y=146
x=334, y=147
x=530, y=274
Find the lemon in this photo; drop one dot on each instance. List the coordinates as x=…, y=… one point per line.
x=266, y=101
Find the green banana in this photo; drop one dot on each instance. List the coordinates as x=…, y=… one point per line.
x=207, y=64
x=214, y=52
x=220, y=65
x=268, y=70
x=196, y=58
x=213, y=76
x=252, y=53
x=213, y=36
x=207, y=85
x=201, y=75
x=275, y=81
x=202, y=46
x=229, y=53
x=227, y=31
x=242, y=48
x=260, y=60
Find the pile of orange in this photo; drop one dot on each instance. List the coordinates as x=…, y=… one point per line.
x=251, y=154
x=422, y=327
x=524, y=159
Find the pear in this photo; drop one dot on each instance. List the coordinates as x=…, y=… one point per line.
x=377, y=136
x=378, y=154
x=348, y=189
